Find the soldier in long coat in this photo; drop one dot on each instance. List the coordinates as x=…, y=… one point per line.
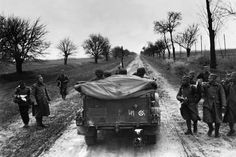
x=214, y=100
x=42, y=99
x=62, y=82
x=189, y=97
x=230, y=114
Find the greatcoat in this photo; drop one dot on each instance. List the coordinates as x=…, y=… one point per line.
x=230, y=114
x=214, y=99
x=189, y=107
x=42, y=98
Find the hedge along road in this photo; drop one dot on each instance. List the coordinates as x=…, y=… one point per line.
x=171, y=140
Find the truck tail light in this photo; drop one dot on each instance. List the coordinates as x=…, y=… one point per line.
x=155, y=115
x=79, y=117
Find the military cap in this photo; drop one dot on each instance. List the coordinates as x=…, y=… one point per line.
x=214, y=76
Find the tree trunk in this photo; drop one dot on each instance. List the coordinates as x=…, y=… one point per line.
x=19, y=63
x=172, y=43
x=163, y=55
x=167, y=46
x=96, y=59
x=188, y=52
x=122, y=62
x=65, y=60
x=106, y=57
x=211, y=36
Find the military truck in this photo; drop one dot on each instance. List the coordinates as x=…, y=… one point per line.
x=116, y=103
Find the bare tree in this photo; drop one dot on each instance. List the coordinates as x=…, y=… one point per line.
x=67, y=48
x=96, y=45
x=173, y=20
x=215, y=16
x=161, y=27
x=160, y=47
x=188, y=38
x=106, y=49
x=21, y=41
x=119, y=52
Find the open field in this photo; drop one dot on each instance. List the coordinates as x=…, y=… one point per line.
x=219, y=53
x=196, y=61
x=77, y=70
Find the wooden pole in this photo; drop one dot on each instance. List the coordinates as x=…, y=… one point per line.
x=180, y=51
x=225, y=44
x=201, y=44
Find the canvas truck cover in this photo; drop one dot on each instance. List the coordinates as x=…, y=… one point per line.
x=117, y=87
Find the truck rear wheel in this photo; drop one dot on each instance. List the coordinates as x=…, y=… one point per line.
x=90, y=140
x=151, y=139
x=91, y=137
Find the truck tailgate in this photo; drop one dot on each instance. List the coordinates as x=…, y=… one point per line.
x=116, y=112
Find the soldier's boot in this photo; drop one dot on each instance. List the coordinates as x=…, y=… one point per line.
x=189, y=131
x=232, y=131
x=39, y=121
x=195, y=126
x=210, y=129
x=217, y=128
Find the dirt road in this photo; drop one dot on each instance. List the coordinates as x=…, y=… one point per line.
x=171, y=139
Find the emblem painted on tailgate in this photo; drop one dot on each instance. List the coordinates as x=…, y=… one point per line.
x=141, y=113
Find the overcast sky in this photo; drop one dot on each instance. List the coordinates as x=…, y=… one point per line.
x=125, y=22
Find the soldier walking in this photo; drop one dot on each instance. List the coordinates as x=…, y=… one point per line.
x=140, y=72
x=214, y=100
x=22, y=98
x=62, y=82
x=203, y=76
x=42, y=99
x=189, y=97
x=230, y=114
x=192, y=77
x=99, y=75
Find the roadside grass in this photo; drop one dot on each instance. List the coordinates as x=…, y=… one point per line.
x=77, y=70
x=175, y=70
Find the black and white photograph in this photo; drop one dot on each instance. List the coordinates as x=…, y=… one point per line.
x=117, y=78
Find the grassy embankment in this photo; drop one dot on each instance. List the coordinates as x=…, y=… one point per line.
x=77, y=70
x=173, y=71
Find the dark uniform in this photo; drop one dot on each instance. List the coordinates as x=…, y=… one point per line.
x=42, y=99
x=22, y=98
x=99, y=75
x=123, y=72
x=189, y=97
x=214, y=100
x=192, y=77
x=230, y=114
x=107, y=74
x=62, y=84
x=226, y=82
x=140, y=72
x=204, y=75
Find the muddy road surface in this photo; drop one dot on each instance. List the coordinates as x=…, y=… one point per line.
x=171, y=140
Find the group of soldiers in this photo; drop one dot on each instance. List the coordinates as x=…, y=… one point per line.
x=218, y=97
x=100, y=74
x=38, y=98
